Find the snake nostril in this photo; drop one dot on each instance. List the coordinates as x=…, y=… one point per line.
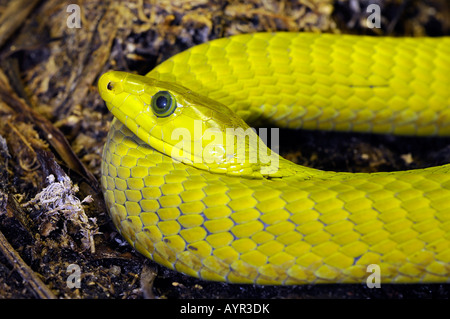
x=109, y=86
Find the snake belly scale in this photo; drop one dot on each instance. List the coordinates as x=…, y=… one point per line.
x=245, y=223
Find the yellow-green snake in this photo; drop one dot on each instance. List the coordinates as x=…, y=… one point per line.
x=209, y=214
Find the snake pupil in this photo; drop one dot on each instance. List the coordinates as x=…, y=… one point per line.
x=161, y=102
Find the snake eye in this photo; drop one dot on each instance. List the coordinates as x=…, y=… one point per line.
x=163, y=104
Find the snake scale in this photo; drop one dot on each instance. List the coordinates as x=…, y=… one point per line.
x=245, y=221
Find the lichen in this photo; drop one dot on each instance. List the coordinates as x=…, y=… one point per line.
x=59, y=202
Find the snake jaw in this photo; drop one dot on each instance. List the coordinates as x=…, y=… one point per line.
x=201, y=122
x=204, y=125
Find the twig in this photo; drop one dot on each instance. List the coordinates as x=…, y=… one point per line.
x=51, y=134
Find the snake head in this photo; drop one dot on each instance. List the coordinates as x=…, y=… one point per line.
x=182, y=124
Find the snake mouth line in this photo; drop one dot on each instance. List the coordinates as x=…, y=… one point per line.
x=236, y=148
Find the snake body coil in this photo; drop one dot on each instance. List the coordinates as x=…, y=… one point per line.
x=249, y=223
